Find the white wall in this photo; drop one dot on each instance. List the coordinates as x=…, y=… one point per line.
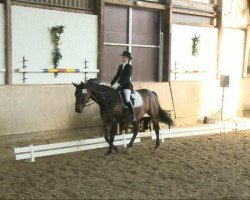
x=232, y=56
x=2, y=63
x=32, y=39
x=181, y=52
x=231, y=64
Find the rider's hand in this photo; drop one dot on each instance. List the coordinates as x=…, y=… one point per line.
x=116, y=85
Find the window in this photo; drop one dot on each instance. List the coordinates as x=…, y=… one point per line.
x=137, y=31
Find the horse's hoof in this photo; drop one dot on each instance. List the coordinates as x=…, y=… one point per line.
x=116, y=149
x=157, y=148
x=108, y=153
x=129, y=150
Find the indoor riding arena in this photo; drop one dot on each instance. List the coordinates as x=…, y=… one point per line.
x=66, y=132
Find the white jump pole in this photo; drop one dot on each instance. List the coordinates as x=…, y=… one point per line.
x=188, y=71
x=66, y=70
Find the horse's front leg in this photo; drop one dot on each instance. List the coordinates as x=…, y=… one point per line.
x=113, y=132
x=135, y=132
x=106, y=132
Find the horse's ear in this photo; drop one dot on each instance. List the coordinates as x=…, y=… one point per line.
x=75, y=84
x=81, y=83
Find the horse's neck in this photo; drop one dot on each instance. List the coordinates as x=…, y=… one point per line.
x=96, y=95
x=102, y=97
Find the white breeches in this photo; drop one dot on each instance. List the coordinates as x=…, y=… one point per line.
x=127, y=93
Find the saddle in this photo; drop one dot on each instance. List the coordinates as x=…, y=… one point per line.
x=135, y=98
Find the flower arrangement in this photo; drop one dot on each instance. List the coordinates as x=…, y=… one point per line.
x=195, y=45
x=56, y=32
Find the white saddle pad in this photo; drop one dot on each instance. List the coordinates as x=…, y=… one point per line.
x=138, y=102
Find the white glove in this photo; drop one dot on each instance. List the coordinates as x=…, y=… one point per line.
x=116, y=85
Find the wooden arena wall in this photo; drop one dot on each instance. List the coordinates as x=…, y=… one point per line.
x=34, y=108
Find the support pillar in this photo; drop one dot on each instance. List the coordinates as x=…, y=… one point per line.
x=167, y=28
x=8, y=41
x=219, y=25
x=100, y=12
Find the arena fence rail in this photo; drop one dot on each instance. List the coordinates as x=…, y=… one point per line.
x=29, y=153
x=202, y=130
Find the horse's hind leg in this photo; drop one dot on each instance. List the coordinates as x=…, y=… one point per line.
x=157, y=130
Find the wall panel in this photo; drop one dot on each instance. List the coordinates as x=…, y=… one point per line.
x=182, y=58
x=32, y=39
x=115, y=20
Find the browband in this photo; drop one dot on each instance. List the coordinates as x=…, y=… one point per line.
x=84, y=91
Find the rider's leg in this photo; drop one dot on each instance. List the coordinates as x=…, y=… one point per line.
x=127, y=94
x=123, y=96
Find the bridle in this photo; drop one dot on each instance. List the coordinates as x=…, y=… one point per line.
x=91, y=100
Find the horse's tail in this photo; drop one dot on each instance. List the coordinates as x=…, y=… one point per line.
x=165, y=117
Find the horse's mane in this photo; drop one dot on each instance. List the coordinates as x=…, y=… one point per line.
x=96, y=82
x=103, y=85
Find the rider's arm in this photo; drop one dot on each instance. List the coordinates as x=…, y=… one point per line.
x=116, y=76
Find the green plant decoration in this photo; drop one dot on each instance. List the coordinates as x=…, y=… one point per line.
x=195, y=45
x=56, y=32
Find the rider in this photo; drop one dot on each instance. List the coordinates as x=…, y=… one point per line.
x=123, y=78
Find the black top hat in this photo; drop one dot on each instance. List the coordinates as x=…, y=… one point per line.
x=127, y=54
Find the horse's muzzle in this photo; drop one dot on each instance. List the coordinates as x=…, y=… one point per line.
x=79, y=109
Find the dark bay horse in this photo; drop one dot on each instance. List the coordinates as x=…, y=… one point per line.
x=112, y=110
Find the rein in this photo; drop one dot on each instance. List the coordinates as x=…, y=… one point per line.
x=94, y=99
x=89, y=103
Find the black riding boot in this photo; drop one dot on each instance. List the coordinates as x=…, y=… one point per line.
x=131, y=111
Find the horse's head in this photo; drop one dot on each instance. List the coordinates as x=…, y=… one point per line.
x=82, y=97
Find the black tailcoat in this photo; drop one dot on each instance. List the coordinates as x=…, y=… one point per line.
x=123, y=77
